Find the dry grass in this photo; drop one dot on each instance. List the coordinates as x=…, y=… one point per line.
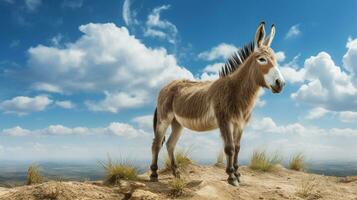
x=182, y=159
x=177, y=186
x=116, y=171
x=297, y=162
x=260, y=160
x=33, y=175
x=307, y=188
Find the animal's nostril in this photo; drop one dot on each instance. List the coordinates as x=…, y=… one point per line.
x=278, y=82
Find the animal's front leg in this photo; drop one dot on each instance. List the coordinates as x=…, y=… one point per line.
x=227, y=135
x=237, y=137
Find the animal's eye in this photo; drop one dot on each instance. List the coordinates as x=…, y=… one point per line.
x=262, y=60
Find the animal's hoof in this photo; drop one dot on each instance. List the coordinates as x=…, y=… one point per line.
x=237, y=175
x=154, y=178
x=233, y=181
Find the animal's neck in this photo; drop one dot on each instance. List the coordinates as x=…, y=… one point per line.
x=245, y=83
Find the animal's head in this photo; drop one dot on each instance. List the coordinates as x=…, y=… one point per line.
x=265, y=60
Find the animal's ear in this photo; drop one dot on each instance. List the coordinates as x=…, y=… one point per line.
x=270, y=38
x=260, y=34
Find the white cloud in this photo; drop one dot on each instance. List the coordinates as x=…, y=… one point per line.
x=316, y=113
x=128, y=16
x=327, y=85
x=47, y=87
x=157, y=27
x=113, y=102
x=32, y=5
x=65, y=104
x=267, y=125
x=213, y=68
x=294, y=31
x=210, y=72
x=348, y=116
x=350, y=58
x=94, y=63
x=56, y=40
x=22, y=105
x=291, y=71
x=16, y=131
x=280, y=56
x=114, y=128
x=145, y=122
x=220, y=51
x=261, y=103
x=125, y=130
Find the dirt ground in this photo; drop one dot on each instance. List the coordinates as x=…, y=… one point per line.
x=203, y=182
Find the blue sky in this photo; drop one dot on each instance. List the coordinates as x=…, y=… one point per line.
x=79, y=79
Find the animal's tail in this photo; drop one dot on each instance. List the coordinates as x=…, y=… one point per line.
x=155, y=120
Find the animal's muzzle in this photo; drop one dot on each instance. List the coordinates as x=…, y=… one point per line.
x=278, y=86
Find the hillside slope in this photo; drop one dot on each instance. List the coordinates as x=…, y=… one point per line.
x=203, y=182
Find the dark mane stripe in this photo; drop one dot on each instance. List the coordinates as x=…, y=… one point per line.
x=236, y=60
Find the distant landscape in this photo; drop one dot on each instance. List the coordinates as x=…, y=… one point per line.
x=14, y=172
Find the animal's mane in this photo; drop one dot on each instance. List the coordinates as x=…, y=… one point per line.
x=237, y=59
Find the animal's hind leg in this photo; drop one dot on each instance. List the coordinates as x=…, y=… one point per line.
x=171, y=143
x=161, y=128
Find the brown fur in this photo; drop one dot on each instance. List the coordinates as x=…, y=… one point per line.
x=225, y=103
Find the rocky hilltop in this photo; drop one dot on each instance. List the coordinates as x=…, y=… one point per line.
x=201, y=182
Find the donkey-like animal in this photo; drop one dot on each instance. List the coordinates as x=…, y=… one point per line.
x=225, y=103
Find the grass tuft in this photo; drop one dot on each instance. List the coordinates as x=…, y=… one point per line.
x=260, y=160
x=116, y=171
x=33, y=175
x=182, y=159
x=297, y=162
x=307, y=188
x=177, y=186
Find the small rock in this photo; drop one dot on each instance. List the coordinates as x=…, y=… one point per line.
x=144, y=195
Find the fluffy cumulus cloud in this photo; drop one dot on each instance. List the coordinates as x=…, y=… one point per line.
x=326, y=85
x=220, y=51
x=159, y=28
x=113, y=102
x=22, y=105
x=350, y=58
x=105, y=58
x=115, y=128
x=294, y=31
x=16, y=131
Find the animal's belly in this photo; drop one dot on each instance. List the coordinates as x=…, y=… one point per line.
x=198, y=124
